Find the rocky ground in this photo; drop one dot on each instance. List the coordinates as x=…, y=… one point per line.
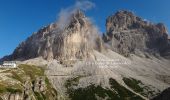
x=143, y=78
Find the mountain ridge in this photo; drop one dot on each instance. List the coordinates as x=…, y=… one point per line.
x=127, y=62
x=153, y=38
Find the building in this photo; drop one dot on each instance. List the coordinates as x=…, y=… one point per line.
x=9, y=64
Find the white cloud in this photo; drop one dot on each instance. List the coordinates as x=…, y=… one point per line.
x=84, y=5
x=65, y=14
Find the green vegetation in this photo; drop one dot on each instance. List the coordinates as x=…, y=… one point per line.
x=28, y=73
x=2, y=88
x=134, y=84
x=32, y=71
x=1, y=98
x=122, y=92
x=39, y=96
x=72, y=82
x=93, y=92
x=138, y=87
x=90, y=93
x=47, y=81
x=50, y=92
x=16, y=76
x=10, y=88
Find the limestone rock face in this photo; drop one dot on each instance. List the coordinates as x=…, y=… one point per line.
x=12, y=96
x=127, y=33
x=39, y=85
x=75, y=41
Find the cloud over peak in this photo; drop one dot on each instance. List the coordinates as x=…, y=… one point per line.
x=65, y=13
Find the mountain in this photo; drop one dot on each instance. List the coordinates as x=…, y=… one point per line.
x=72, y=61
x=75, y=40
x=127, y=33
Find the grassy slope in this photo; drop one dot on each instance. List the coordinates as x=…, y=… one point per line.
x=27, y=73
x=139, y=87
x=93, y=92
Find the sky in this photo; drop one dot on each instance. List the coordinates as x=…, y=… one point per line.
x=20, y=18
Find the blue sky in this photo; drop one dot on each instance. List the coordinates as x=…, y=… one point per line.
x=20, y=18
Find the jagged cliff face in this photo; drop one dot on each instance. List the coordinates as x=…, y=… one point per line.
x=127, y=33
x=75, y=41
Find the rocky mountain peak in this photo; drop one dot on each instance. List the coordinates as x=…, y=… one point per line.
x=78, y=20
x=122, y=20
x=125, y=20
x=128, y=33
x=79, y=14
x=76, y=41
